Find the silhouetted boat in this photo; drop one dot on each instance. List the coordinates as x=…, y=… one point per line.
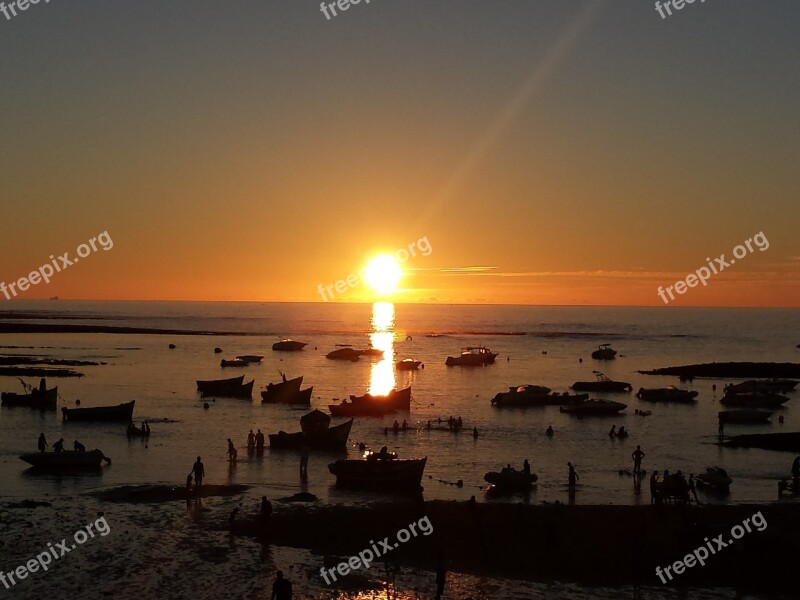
x=715, y=478
x=373, y=406
x=528, y=396
x=382, y=472
x=744, y=416
x=594, y=408
x=237, y=362
x=754, y=400
x=603, y=384
x=232, y=390
x=604, y=352
x=316, y=433
x=667, y=394
x=284, y=392
x=788, y=442
x=250, y=358
x=408, y=364
x=120, y=412
x=472, y=356
x=214, y=384
x=767, y=386
x=371, y=352
x=344, y=354
x=288, y=346
x=511, y=480
x=65, y=460
x=42, y=400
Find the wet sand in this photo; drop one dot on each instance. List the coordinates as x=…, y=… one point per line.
x=140, y=494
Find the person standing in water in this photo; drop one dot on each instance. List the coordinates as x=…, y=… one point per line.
x=573, y=476
x=637, y=457
x=199, y=472
x=231, y=451
x=304, y=463
x=42, y=443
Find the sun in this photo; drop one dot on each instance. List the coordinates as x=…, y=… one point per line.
x=383, y=274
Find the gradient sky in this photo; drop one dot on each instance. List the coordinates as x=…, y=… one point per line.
x=584, y=152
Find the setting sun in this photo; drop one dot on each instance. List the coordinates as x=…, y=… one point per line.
x=383, y=274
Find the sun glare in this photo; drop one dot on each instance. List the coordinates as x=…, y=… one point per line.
x=383, y=274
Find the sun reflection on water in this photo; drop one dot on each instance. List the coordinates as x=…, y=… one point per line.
x=381, y=377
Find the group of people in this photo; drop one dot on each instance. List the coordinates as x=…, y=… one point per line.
x=620, y=433
x=672, y=487
x=255, y=441
x=134, y=430
x=58, y=447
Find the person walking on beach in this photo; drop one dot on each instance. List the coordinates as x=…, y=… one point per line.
x=58, y=447
x=199, y=472
x=42, y=443
x=654, y=488
x=637, y=457
x=573, y=476
x=282, y=588
x=231, y=451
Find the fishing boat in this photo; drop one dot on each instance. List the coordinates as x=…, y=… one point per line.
x=316, y=434
x=715, y=478
x=284, y=392
x=786, y=442
x=380, y=471
x=250, y=358
x=603, y=384
x=597, y=408
x=472, y=356
x=120, y=412
x=754, y=400
x=408, y=364
x=511, y=480
x=768, y=386
x=288, y=346
x=36, y=398
x=65, y=460
x=233, y=390
x=745, y=416
x=667, y=394
x=373, y=406
x=528, y=396
x=236, y=362
x=344, y=354
x=214, y=384
x=604, y=352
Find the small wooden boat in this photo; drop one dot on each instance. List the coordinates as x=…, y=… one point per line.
x=65, y=460
x=213, y=384
x=380, y=472
x=511, y=480
x=344, y=354
x=233, y=390
x=667, y=394
x=603, y=384
x=316, y=433
x=604, y=352
x=745, y=416
x=408, y=364
x=236, y=362
x=42, y=400
x=373, y=406
x=120, y=412
x=250, y=358
x=531, y=396
x=283, y=392
x=766, y=386
x=288, y=346
x=754, y=400
x=715, y=478
x=597, y=408
x=472, y=356
x=786, y=442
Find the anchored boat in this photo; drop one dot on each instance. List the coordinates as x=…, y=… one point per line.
x=472, y=356
x=373, y=406
x=120, y=412
x=381, y=471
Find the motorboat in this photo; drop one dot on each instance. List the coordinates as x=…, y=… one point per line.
x=236, y=362
x=316, y=434
x=233, y=390
x=214, y=384
x=373, y=406
x=371, y=352
x=120, y=412
x=472, y=356
x=381, y=471
x=715, y=478
x=288, y=346
x=250, y=358
x=604, y=352
x=36, y=398
x=68, y=459
x=766, y=386
x=346, y=353
x=525, y=396
x=754, y=400
x=408, y=364
x=594, y=408
x=283, y=392
x=509, y=479
x=602, y=384
x=667, y=394
x=745, y=416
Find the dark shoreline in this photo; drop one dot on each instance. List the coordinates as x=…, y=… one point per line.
x=48, y=328
x=731, y=370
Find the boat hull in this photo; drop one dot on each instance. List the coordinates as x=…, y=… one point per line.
x=597, y=408
x=373, y=406
x=534, y=400
x=516, y=481
x=332, y=439
x=754, y=400
x=285, y=392
x=121, y=412
x=236, y=390
x=64, y=460
x=745, y=416
x=601, y=386
x=667, y=395
x=40, y=400
x=288, y=346
x=379, y=475
x=214, y=384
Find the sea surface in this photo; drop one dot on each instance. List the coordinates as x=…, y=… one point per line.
x=536, y=345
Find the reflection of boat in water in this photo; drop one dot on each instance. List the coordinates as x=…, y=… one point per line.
x=745, y=416
x=604, y=352
x=288, y=346
x=344, y=354
x=472, y=356
x=316, y=433
x=511, y=480
x=603, y=384
x=715, y=478
x=236, y=362
x=65, y=460
x=373, y=406
x=534, y=395
x=286, y=392
x=754, y=399
x=233, y=390
x=667, y=394
x=594, y=408
x=214, y=384
x=382, y=471
x=767, y=386
x=408, y=364
x=250, y=358
x=37, y=398
x=120, y=412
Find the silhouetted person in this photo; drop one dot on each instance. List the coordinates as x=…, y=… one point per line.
x=251, y=440
x=59, y=446
x=613, y=432
x=266, y=509
x=304, y=463
x=259, y=440
x=637, y=457
x=199, y=472
x=654, y=488
x=549, y=432
x=232, y=517
x=526, y=467
x=396, y=426
x=231, y=451
x=721, y=429
x=573, y=476
x=42, y=385
x=796, y=467
x=282, y=588
x=189, y=483
x=42, y=443
x=693, y=489
x=441, y=576
x=474, y=432
x=78, y=447
x=405, y=424
x=622, y=433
